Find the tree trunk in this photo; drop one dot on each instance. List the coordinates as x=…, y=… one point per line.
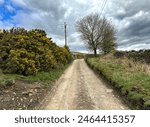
x=95, y=52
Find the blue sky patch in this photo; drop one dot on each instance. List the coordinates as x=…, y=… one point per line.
x=8, y=10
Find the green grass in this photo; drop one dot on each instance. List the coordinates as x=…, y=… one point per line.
x=43, y=77
x=46, y=76
x=133, y=84
x=5, y=81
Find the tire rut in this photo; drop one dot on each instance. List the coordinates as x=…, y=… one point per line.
x=83, y=100
x=80, y=89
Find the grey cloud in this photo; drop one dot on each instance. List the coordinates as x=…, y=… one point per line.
x=50, y=15
x=49, y=20
x=52, y=7
x=137, y=26
x=133, y=27
x=129, y=7
x=80, y=48
x=133, y=19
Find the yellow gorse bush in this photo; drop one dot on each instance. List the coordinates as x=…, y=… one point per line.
x=28, y=52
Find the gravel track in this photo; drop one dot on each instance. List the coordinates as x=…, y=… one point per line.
x=80, y=89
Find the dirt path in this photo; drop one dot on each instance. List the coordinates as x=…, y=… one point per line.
x=80, y=88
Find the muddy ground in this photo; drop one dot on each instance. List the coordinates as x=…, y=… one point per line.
x=22, y=95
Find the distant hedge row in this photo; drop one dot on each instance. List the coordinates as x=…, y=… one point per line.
x=142, y=55
x=28, y=52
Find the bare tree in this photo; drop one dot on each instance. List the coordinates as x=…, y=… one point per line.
x=93, y=31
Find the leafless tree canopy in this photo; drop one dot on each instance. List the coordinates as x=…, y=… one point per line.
x=94, y=31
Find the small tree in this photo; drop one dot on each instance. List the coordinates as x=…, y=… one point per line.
x=108, y=42
x=95, y=32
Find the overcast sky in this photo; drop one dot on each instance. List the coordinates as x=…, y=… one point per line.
x=130, y=17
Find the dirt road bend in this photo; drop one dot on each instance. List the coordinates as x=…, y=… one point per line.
x=79, y=88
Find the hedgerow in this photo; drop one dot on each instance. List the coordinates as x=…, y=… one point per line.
x=28, y=52
x=141, y=55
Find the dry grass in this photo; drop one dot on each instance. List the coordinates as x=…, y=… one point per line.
x=133, y=65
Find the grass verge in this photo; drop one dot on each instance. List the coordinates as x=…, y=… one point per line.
x=44, y=77
x=132, y=83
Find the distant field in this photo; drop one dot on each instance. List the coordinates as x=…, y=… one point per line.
x=130, y=78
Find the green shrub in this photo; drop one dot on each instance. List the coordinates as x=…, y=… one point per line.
x=28, y=52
